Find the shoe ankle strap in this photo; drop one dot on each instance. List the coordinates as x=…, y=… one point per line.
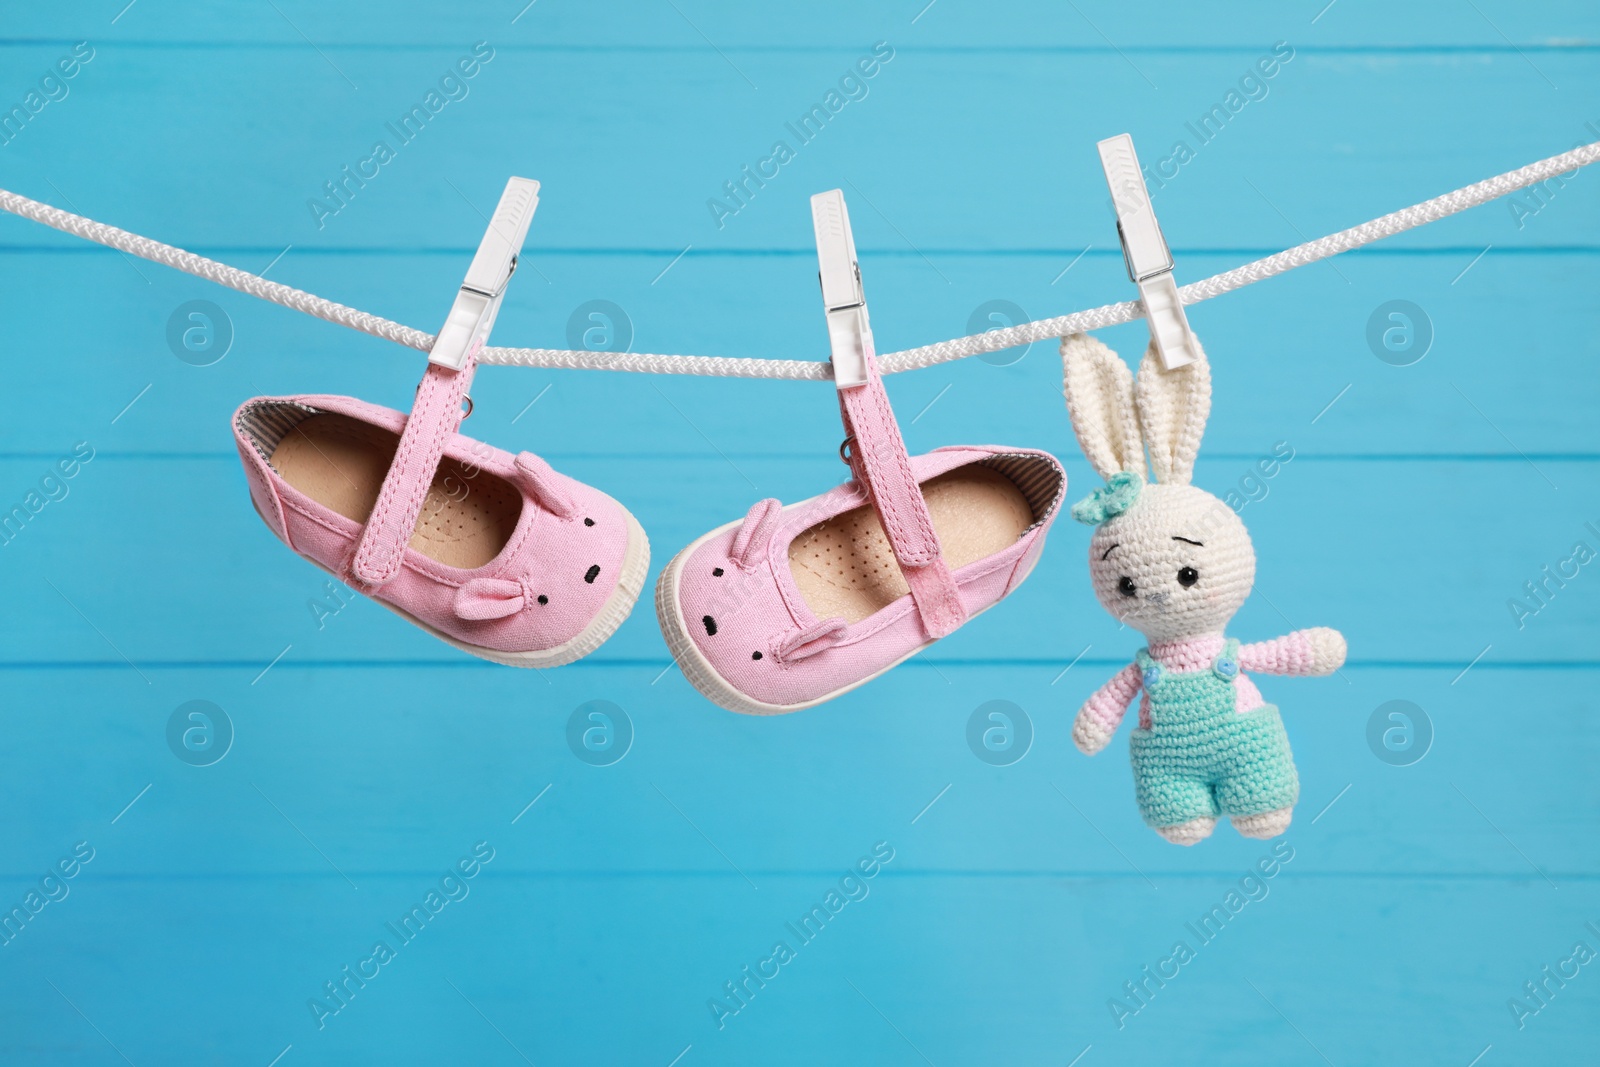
x=435, y=415
x=878, y=453
x=436, y=412
x=879, y=461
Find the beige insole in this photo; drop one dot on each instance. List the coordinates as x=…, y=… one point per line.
x=467, y=517
x=845, y=567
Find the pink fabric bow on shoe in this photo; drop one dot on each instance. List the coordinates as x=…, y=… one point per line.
x=791, y=607
x=498, y=555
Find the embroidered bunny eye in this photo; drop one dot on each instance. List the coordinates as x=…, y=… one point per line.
x=1188, y=576
x=1125, y=586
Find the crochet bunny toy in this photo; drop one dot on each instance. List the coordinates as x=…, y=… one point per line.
x=1175, y=563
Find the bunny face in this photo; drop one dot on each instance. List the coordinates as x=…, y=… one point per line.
x=1170, y=560
x=1177, y=564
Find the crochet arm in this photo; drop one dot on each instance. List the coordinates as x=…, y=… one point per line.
x=1318, y=650
x=1100, y=715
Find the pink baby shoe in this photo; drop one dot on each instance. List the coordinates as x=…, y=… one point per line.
x=792, y=606
x=495, y=554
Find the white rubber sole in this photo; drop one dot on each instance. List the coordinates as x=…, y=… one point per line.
x=699, y=671
x=615, y=611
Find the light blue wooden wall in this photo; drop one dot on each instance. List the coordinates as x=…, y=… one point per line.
x=369, y=758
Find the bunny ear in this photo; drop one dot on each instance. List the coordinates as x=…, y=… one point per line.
x=1099, y=390
x=1173, y=406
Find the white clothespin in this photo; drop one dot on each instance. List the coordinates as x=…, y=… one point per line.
x=842, y=297
x=1145, y=251
x=472, y=316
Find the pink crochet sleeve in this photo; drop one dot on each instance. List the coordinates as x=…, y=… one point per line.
x=1289, y=654
x=1110, y=702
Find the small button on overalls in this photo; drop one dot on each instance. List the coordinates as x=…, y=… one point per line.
x=1199, y=757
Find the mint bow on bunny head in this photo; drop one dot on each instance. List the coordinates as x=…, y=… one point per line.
x=1117, y=496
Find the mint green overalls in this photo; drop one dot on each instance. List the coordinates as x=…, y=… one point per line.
x=1201, y=758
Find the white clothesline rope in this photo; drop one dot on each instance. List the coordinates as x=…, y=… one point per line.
x=797, y=369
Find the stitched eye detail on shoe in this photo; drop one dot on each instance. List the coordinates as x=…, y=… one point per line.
x=1125, y=586
x=592, y=573
x=755, y=655
x=543, y=599
x=1188, y=576
x=716, y=572
x=588, y=522
x=710, y=625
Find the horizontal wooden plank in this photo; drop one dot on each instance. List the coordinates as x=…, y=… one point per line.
x=1055, y=967
x=1503, y=333
x=366, y=772
x=941, y=150
x=702, y=26
x=169, y=562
